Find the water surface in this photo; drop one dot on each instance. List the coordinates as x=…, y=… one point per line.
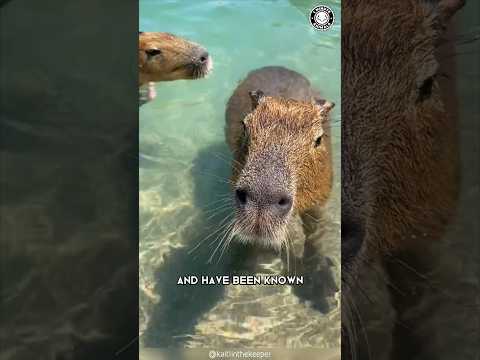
x=184, y=169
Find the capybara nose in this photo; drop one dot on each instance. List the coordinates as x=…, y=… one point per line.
x=278, y=203
x=203, y=57
x=241, y=196
x=281, y=204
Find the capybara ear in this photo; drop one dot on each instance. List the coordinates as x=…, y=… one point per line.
x=325, y=105
x=442, y=11
x=140, y=32
x=445, y=9
x=256, y=96
x=448, y=8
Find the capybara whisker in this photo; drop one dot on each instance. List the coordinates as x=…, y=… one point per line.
x=221, y=226
x=224, y=204
x=230, y=236
x=286, y=244
x=226, y=229
x=312, y=217
x=216, y=177
x=232, y=162
x=223, y=238
x=223, y=200
x=220, y=210
x=214, y=205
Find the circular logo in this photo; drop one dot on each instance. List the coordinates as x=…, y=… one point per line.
x=322, y=17
x=212, y=354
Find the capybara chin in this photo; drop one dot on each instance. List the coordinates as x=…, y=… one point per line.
x=278, y=131
x=165, y=57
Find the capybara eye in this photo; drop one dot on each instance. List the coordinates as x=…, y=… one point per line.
x=318, y=141
x=152, y=52
x=425, y=91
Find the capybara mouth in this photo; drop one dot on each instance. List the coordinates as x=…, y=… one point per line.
x=260, y=229
x=261, y=237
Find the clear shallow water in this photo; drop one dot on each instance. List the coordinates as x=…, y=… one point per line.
x=183, y=183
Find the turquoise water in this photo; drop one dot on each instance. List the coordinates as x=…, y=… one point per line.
x=184, y=170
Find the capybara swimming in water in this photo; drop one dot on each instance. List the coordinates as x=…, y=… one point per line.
x=166, y=57
x=399, y=159
x=278, y=131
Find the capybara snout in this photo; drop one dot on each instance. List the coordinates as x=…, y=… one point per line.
x=264, y=194
x=202, y=56
x=266, y=186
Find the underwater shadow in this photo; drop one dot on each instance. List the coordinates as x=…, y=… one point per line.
x=181, y=306
x=319, y=286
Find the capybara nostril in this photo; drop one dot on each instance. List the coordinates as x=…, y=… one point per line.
x=276, y=203
x=283, y=205
x=203, y=57
x=241, y=196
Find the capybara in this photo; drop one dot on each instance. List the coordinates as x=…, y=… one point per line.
x=277, y=128
x=399, y=148
x=166, y=57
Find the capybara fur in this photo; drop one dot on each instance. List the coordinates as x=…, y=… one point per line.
x=166, y=57
x=399, y=147
x=277, y=128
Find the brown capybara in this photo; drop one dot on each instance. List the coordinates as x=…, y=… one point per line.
x=278, y=131
x=166, y=57
x=399, y=154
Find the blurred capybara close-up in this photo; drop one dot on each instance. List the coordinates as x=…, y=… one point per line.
x=399, y=173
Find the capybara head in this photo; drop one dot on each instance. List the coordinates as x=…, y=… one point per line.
x=282, y=166
x=399, y=147
x=164, y=57
x=398, y=143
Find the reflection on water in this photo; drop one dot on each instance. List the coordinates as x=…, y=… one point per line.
x=184, y=190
